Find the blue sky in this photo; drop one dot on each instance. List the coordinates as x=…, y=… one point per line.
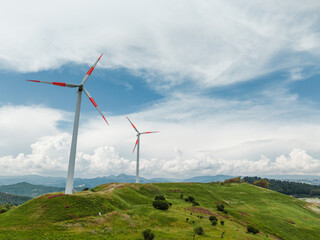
x=231, y=86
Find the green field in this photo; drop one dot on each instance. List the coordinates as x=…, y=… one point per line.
x=126, y=210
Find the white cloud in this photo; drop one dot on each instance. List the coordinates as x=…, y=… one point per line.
x=22, y=125
x=49, y=157
x=197, y=136
x=210, y=42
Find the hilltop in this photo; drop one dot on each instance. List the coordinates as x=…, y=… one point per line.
x=126, y=210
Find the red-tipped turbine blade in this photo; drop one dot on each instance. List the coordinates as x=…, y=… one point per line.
x=90, y=70
x=135, y=146
x=94, y=104
x=61, y=84
x=133, y=125
x=150, y=132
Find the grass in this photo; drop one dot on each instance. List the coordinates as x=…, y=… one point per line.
x=126, y=210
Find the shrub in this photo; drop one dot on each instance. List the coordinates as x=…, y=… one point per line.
x=159, y=198
x=3, y=210
x=148, y=234
x=181, y=196
x=199, y=231
x=220, y=207
x=85, y=189
x=252, y=229
x=161, y=204
x=233, y=180
x=222, y=222
x=211, y=218
x=214, y=222
x=189, y=199
x=261, y=183
x=195, y=203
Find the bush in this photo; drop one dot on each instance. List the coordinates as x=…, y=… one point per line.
x=222, y=222
x=220, y=207
x=195, y=203
x=252, y=229
x=159, y=198
x=214, y=222
x=211, y=218
x=261, y=183
x=85, y=189
x=233, y=180
x=199, y=231
x=161, y=204
x=148, y=234
x=189, y=199
x=3, y=210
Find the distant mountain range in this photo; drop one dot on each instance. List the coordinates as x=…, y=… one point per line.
x=92, y=182
x=80, y=183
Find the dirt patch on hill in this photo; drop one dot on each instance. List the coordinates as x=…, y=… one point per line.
x=202, y=211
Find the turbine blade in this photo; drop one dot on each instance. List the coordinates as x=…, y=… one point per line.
x=132, y=125
x=90, y=71
x=150, y=132
x=94, y=104
x=61, y=84
x=135, y=145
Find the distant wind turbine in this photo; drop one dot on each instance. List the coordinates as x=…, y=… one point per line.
x=70, y=177
x=138, y=149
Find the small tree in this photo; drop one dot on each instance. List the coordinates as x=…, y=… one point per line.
x=199, y=231
x=189, y=199
x=214, y=222
x=161, y=204
x=233, y=180
x=252, y=229
x=3, y=210
x=194, y=203
x=220, y=207
x=159, y=198
x=261, y=183
x=148, y=234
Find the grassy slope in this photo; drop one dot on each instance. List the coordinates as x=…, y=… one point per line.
x=127, y=210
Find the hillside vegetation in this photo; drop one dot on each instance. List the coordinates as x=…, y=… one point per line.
x=289, y=188
x=12, y=199
x=29, y=190
x=126, y=210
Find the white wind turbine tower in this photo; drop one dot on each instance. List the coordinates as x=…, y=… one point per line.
x=138, y=149
x=69, y=183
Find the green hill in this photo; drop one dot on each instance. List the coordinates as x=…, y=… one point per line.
x=29, y=190
x=126, y=210
x=12, y=199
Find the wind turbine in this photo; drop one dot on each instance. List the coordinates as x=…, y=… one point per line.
x=70, y=176
x=138, y=149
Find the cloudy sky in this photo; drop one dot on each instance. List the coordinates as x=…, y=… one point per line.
x=232, y=86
